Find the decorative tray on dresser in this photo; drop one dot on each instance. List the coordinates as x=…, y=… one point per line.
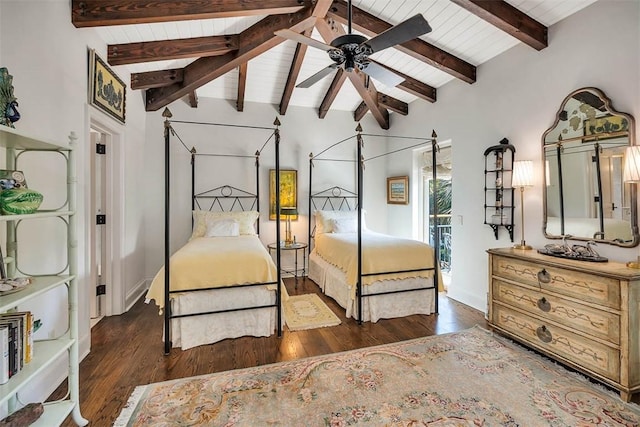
x=583, y=314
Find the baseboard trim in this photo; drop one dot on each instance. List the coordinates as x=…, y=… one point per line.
x=134, y=295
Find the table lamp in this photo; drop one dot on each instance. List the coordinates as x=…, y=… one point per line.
x=288, y=212
x=631, y=175
x=522, y=177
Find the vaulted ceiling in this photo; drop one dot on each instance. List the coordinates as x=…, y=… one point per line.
x=228, y=49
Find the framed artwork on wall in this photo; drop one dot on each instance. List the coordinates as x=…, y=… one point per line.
x=288, y=191
x=398, y=190
x=106, y=91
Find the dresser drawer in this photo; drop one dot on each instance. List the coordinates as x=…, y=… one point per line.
x=589, y=354
x=572, y=315
x=584, y=286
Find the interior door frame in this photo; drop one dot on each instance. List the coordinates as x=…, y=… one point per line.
x=114, y=188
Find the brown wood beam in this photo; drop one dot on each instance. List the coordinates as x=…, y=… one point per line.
x=254, y=41
x=331, y=94
x=512, y=21
x=155, y=79
x=133, y=53
x=242, y=85
x=393, y=104
x=417, y=48
x=360, y=111
x=413, y=86
x=193, y=99
x=369, y=95
x=95, y=13
x=294, y=71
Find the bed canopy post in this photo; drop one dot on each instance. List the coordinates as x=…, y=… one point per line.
x=278, y=252
x=193, y=181
x=360, y=162
x=310, y=207
x=167, y=179
x=436, y=233
x=258, y=188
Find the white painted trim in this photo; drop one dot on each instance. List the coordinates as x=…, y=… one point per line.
x=134, y=295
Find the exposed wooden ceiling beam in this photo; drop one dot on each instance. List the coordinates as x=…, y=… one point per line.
x=413, y=86
x=331, y=94
x=419, y=49
x=242, y=85
x=154, y=79
x=253, y=41
x=193, y=99
x=133, y=53
x=369, y=95
x=393, y=104
x=294, y=71
x=360, y=111
x=95, y=13
x=509, y=19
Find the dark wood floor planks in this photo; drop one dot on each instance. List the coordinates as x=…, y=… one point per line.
x=127, y=350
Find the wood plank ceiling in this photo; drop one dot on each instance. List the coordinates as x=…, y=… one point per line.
x=228, y=49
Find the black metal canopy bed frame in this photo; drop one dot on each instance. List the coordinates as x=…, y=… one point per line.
x=225, y=199
x=399, y=278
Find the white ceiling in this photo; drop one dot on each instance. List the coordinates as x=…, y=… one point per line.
x=454, y=30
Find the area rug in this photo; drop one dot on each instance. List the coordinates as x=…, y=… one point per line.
x=468, y=378
x=308, y=311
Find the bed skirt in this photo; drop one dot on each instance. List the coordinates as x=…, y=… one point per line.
x=188, y=332
x=332, y=282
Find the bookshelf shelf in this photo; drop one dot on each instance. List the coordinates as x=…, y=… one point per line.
x=46, y=353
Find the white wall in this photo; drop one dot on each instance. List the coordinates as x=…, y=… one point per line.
x=47, y=57
x=517, y=96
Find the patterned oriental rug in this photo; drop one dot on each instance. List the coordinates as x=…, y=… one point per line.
x=308, y=311
x=468, y=378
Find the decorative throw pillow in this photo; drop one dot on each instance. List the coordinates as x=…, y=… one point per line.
x=222, y=228
x=245, y=219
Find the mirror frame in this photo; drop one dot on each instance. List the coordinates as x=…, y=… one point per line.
x=632, y=190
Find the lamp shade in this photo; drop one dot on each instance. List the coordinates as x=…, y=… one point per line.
x=288, y=211
x=522, y=173
x=631, y=172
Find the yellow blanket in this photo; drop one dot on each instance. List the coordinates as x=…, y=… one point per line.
x=380, y=253
x=207, y=262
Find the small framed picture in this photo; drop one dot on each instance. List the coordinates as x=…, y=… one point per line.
x=106, y=90
x=398, y=190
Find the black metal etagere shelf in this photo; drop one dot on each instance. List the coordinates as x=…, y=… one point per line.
x=498, y=193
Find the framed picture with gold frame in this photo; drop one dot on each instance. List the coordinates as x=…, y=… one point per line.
x=106, y=90
x=398, y=190
x=288, y=191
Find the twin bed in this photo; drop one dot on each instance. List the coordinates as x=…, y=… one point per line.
x=223, y=283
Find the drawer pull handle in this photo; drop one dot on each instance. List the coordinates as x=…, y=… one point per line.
x=544, y=276
x=544, y=334
x=544, y=305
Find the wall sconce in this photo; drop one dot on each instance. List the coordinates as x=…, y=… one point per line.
x=522, y=176
x=288, y=212
x=631, y=175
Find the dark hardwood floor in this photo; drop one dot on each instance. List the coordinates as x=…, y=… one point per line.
x=127, y=350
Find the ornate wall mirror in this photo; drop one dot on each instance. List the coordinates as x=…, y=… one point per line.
x=585, y=195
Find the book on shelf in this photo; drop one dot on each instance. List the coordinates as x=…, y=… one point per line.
x=4, y=354
x=20, y=339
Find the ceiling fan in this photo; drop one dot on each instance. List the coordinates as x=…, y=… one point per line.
x=352, y=51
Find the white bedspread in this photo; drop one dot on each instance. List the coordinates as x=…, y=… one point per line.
x=380, y=253
x=208, y=262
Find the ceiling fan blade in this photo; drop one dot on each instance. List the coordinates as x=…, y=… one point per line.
x=383, y=75
x=301, y=38
x=317, y=76
x=404, y=31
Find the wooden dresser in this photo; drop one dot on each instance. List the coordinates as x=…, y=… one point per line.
x=583, y=314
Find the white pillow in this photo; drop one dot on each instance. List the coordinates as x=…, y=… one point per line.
x=222, y=228
x=323, y=219
x=246, y=221
x=344, y=225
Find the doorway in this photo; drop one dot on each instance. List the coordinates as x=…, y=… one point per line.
x=100, y=142
x=440, y=223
